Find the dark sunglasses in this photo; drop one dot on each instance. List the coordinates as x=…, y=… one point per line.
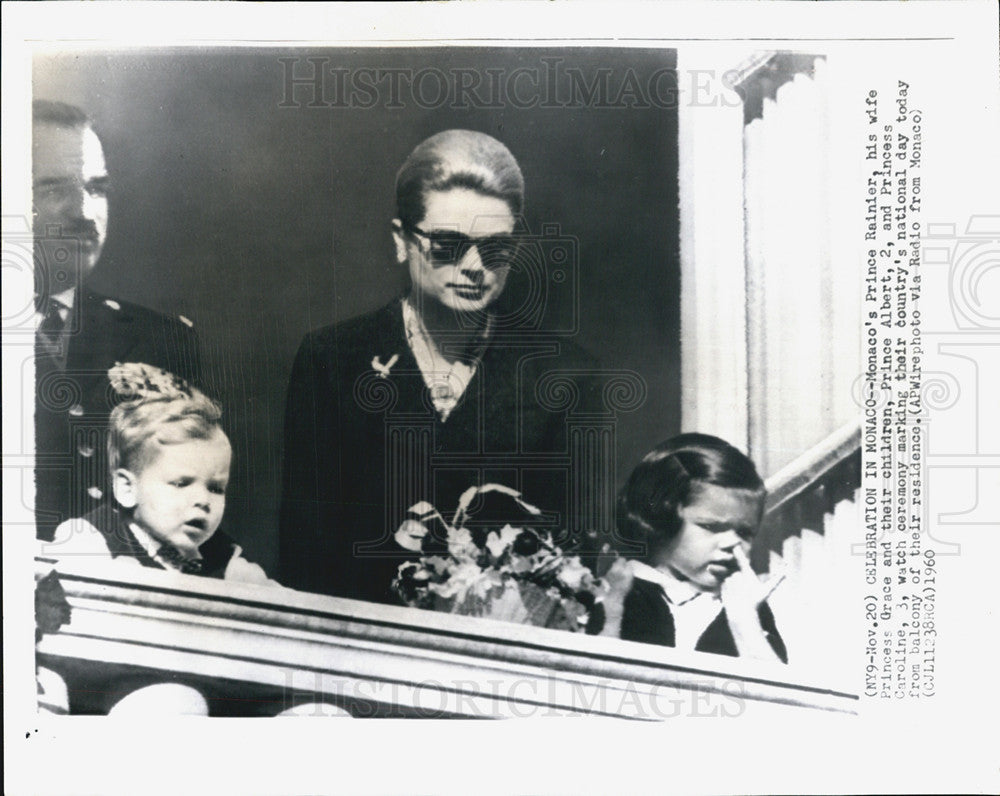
x=445, y=247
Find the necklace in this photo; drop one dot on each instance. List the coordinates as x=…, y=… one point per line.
x=446, y=380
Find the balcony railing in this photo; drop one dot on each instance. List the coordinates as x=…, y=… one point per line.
x=259, y=651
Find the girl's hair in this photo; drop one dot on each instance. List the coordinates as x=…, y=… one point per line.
x=159, y=409
x=457, y=159
x=669, y=478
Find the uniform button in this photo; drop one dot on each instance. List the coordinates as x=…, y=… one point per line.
x=95, y=493
x=76, y=410
x=86, y=451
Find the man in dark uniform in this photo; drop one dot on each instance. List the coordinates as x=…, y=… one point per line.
x=80, y=334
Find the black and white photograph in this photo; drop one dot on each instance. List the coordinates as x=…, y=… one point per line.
x=452, y=374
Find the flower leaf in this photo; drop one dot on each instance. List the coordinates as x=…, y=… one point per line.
x=410, y=535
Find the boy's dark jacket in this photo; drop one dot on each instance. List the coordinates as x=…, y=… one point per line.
x=216, y=552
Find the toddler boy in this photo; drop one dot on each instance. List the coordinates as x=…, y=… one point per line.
x=169, y=462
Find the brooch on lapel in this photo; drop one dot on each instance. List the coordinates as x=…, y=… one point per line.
x=383, y=370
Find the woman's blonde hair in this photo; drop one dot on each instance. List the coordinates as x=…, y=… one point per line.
x=457, y=159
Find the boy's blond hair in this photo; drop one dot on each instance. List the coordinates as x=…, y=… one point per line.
x=159, y=409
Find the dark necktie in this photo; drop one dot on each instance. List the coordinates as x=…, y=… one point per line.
x=186, y=565
x=49, y=338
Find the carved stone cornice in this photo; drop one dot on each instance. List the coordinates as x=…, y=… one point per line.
x=259, y=649
x=760, y=76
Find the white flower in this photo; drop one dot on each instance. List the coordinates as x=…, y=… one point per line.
x=498, y=543
x=521, y=564
x=489, y=580
x=439, y=565
x=574, y=575
x=461, y=579
x=460, y=544
x=417, y=572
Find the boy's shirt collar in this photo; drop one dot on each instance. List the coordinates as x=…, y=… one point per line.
x=165, y=555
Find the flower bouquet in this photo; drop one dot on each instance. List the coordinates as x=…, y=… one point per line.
x=498, y=566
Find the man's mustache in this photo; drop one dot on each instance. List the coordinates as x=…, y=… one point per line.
x=88, y=232
x=82, y=229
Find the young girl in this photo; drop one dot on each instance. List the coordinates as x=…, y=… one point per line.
x=690, y=509
x=169, y=463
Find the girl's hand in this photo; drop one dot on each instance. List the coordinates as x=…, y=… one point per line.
x=619, y=579
x=742, y=594
x=743, y=591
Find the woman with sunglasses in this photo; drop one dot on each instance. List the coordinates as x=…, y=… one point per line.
x=431, y=394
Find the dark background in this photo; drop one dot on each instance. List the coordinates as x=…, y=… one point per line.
x=262, y=222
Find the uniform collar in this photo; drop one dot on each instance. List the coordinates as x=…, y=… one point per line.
x=63, y=301
x=66, y=298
